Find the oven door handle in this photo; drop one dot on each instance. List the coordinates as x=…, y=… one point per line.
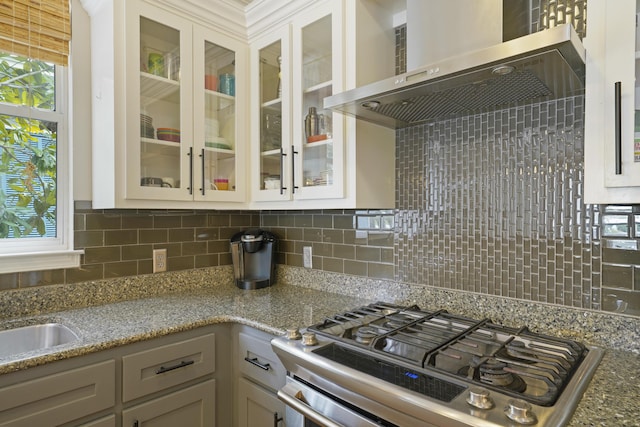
x=289, y=395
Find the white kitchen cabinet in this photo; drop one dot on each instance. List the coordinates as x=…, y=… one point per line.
x=612, y=175
x=192, y=406
x=302, y=155
x=167, y=381
x=258, y=407
x=260, y=376
x=168, y=108
x=60, y=397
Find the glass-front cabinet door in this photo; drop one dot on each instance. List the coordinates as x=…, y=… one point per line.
x=184, y=141
x=318, y=135
x=218, y=140
x=297, y=145
x=271, y=100
x=159, y=73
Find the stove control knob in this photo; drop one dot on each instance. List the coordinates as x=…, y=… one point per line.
x=309, y=339
x=479, y=398
x=520, y=411
x=293, y=334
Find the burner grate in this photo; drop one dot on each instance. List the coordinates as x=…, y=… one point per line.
x=419, y=382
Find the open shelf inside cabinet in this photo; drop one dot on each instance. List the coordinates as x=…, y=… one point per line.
x=275, y=105
x=221, y=153
x=317, y=144
x=155, y=88
x=158, y=147
x=224, y=100
x=324, y=88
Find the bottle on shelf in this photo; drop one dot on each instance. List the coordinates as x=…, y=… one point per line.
x=311, y=123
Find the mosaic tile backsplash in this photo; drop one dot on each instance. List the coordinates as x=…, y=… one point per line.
x=491, y=203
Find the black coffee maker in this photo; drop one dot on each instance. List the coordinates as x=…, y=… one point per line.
x=253, y=255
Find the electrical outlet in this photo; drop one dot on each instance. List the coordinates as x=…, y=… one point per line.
x=307, y=257
x=159, y=260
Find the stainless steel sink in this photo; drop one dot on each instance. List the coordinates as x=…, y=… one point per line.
x=34, y=337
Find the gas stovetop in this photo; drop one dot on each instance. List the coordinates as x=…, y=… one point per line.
x=442, y=357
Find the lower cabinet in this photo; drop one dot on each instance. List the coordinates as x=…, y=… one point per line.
x=258, y=407
x=260, y=376
x=218, y=375
x=193, y=407
x=166, y=381
x=58, y=398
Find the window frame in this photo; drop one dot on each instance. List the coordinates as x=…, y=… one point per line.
x=49, y=253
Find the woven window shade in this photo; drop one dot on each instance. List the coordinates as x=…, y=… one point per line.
x=37, y=29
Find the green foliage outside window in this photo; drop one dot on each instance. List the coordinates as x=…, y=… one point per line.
x=27, y=148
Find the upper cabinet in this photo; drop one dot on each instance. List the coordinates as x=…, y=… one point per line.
x=302, y=155
x=168, y=110
x=612, y=103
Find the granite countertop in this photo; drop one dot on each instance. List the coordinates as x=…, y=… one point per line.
x=610, y=400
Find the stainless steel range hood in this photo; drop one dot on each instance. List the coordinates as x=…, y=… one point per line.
x=545, y=65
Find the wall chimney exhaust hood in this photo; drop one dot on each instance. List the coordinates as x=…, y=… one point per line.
x=544, y=65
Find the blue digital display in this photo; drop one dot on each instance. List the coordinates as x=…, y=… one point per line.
x=411, y=375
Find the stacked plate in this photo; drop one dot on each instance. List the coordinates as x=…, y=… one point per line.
x=217, y=142
x=168, y=134
x=146, y=126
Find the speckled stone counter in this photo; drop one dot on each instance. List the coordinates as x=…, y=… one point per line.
x=123, y=311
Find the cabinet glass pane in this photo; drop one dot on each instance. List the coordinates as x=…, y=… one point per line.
x=317, y=153
x=270, y=116
x=219, y=161
x=159, y=105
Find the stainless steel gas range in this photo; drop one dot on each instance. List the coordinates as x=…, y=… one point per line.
x=389, y=365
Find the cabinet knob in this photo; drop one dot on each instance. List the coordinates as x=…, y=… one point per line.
x=293, y=334
x=309, y=339
x=520, y=411
x=479, y=398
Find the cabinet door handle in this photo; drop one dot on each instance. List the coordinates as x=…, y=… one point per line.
x=276, y=419
x=202, y=162
x=255, y=362
x=293, y=169
x=190, y=170
x=136, y=423
x=182, y=364
x=282, y=156
x=618, y=125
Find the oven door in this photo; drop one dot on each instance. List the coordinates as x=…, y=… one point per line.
x=308, y=407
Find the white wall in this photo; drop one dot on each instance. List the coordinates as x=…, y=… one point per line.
x=81, y=101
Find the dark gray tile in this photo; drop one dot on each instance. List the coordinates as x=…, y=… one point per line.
x=120, y=269
x=101, y=221
x=102, y=254
x=135, y=252
x=9, y=281
x=121, y=237
x=180, y=263
x=617, y=276
x=167, y=221
x=153, y=236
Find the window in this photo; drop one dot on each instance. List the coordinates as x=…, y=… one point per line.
x=35, y=158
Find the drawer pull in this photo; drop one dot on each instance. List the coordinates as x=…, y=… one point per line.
x=276, y=419
x=255, y=362
x=182, y=364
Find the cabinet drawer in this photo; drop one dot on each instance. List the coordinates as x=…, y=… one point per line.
x=258, y=361
x=59, y=398
x=166, y=366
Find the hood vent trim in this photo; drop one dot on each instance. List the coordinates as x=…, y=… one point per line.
x=540, y=66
